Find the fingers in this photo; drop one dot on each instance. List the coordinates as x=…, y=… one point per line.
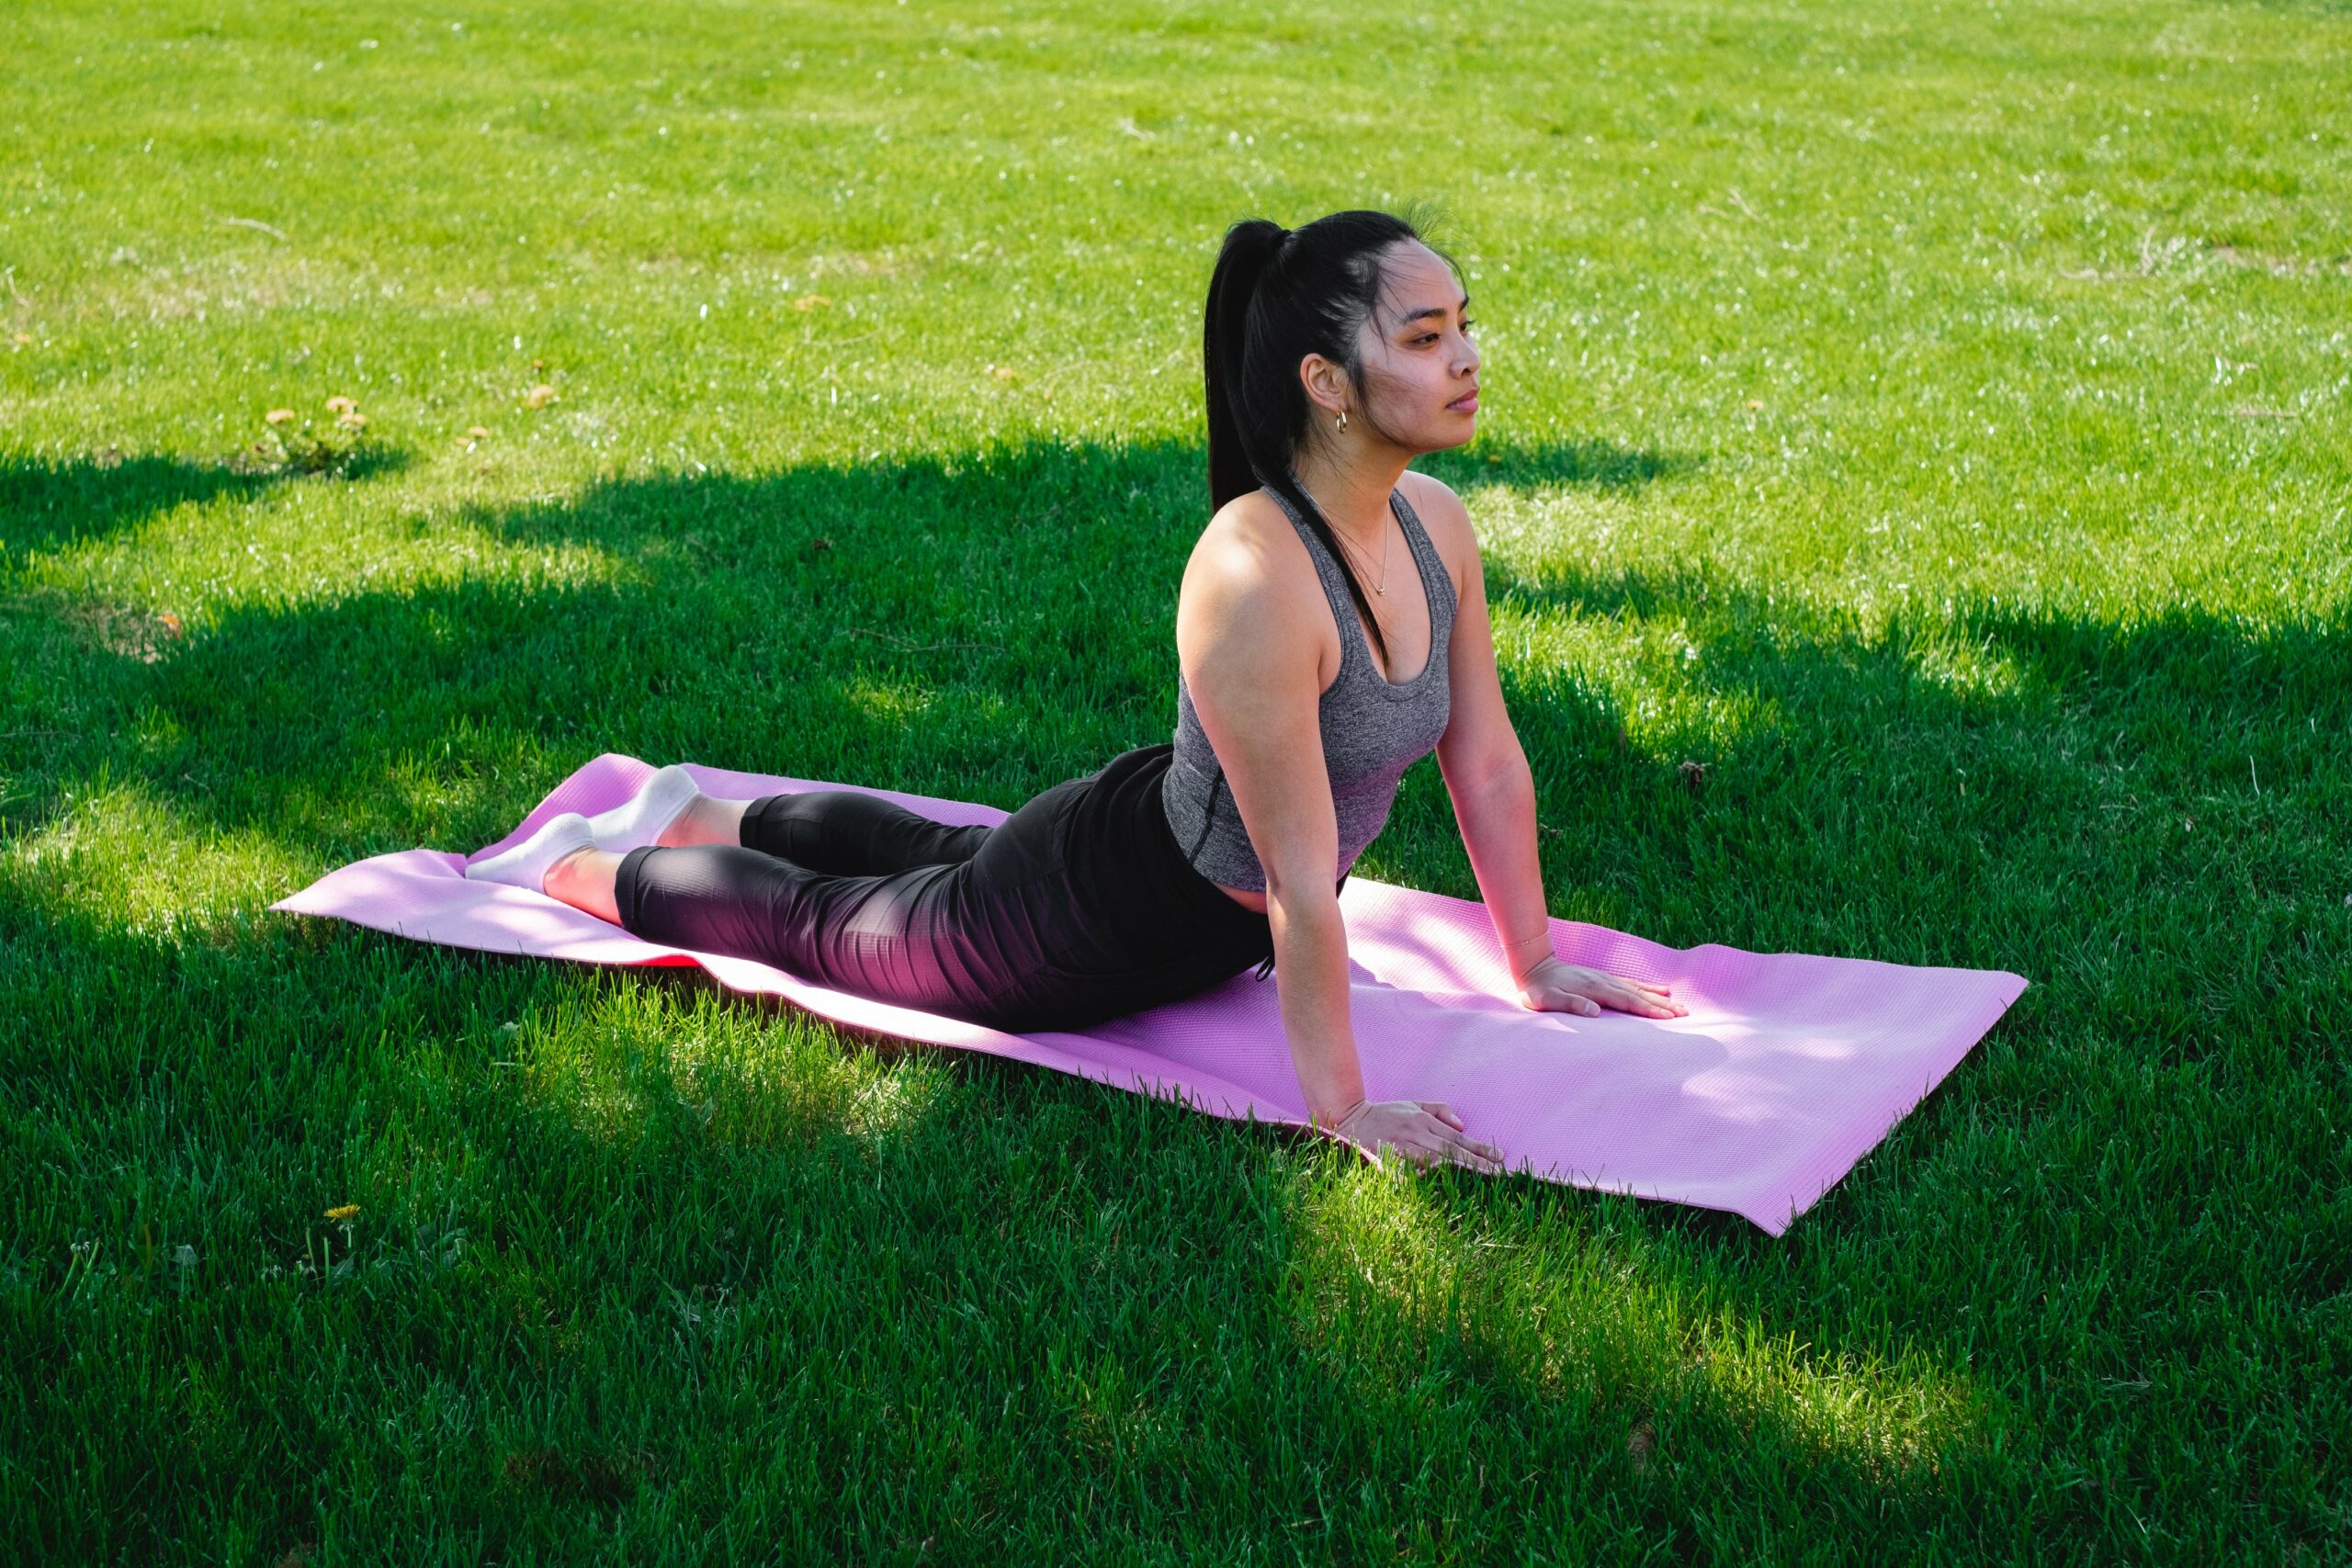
x=1609, y=999
x=1456, y=1144
x=1440, y=1143
x=1423, y=1132
x=1656, y=1005
x=1479, y=1157
x=1652, y=1000
x=1642, y=999
x=1576, y=1002
x=1645, y=1007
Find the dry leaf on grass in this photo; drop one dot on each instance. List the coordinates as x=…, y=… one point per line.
x=476, y=433
x=340, y=404
x=540, y=396
x=810, y=302
x=278, y=416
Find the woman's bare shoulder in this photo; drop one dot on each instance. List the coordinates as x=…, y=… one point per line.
x=1446, y=521
x=1250, y=596
x=1248, y=554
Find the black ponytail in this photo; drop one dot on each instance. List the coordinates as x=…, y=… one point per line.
x=1248, y=246
x=1276, y=296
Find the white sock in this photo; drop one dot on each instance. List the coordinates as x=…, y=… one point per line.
x=526, y=865
x=640, y=820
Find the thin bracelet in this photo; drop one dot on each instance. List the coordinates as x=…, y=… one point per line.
x=1337, y=1122
x=1522, y=941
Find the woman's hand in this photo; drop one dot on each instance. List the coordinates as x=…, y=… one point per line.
x=1555, y=986
x=1424, y=1132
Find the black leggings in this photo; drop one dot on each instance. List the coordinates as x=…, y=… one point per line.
x=1078, y=908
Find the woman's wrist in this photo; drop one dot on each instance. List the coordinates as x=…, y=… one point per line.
x=1527, y=955
x=1330, y=1121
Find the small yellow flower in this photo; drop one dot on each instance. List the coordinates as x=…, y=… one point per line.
x=340, y=404
x=540, y=396
x=278, y=416
x=343, y=1212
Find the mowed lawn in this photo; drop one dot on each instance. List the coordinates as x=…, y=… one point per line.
x=1933, y=421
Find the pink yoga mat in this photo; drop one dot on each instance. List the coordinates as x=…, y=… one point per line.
x=1789, y=1068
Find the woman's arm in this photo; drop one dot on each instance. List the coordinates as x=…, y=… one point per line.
x=1493, y=791
x=1251, y=663
x=1248, y=641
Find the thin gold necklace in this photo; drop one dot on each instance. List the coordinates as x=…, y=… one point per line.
x=1379, y=587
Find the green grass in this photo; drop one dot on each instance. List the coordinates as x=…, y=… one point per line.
x=1934, y=420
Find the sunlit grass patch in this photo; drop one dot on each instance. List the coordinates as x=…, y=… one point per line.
x=119, y=856
x=1389, y=1284
x=659, y=1061
x=200, y=559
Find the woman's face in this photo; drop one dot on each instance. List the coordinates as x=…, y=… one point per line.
x=1420, y=370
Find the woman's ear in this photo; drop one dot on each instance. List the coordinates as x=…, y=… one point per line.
x=1325, y=383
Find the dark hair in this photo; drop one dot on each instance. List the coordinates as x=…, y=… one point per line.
x=1277, y=296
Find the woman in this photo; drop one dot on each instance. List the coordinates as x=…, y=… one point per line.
x=1335, y=354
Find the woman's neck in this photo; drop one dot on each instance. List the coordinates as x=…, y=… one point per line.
x=1351, y=492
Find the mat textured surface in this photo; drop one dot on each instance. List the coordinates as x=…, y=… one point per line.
x=1790, y=1067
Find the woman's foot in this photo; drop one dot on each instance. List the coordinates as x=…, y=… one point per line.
x=668, y=795
x=527, y=863
x=586, y=880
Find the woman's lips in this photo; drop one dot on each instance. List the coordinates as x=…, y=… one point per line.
x=1467, y=402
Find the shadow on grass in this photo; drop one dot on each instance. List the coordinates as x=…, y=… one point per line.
x=562, y=1175
x=1949, y=790
x=47, y=503
x=987, y=626
x=1579, y=465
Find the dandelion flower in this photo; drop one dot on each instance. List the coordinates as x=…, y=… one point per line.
x=343, y=1212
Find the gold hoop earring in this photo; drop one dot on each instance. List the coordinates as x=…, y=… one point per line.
x=1342, y=421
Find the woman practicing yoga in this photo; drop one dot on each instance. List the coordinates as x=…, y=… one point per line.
x=1335, y=354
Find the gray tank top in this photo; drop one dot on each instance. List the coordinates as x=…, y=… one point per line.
x=1373, y=731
